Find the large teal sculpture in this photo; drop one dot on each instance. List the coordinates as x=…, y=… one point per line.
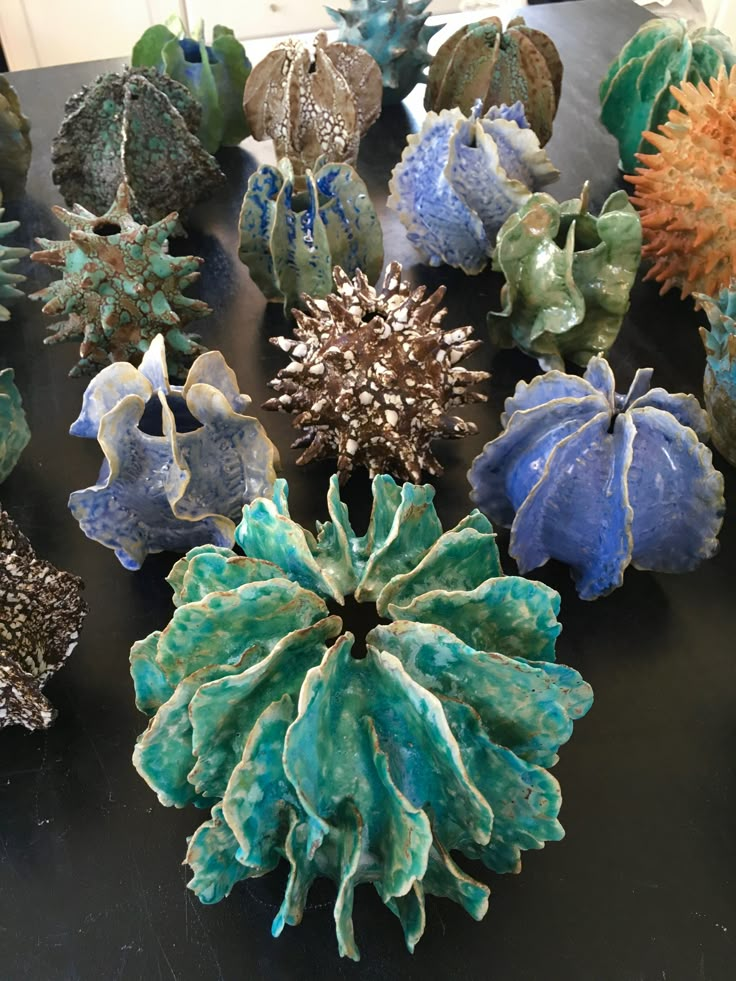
x=14, y=431
x=719, y=383
x=434, y=740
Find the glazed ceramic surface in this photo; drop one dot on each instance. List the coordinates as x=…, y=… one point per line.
x=15, y=142
x=9, y=257
x=719, y=383
x=600, y=480
x=14, y=431
x=369, y=769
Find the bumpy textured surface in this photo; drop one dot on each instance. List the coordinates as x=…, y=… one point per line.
x=9, y=257
x=313, y=109
x=214, y=73
x=460, y=178
x=15, y=142
x=180, y=462
x=369, y=770
x=719, y=383
x=14, y=431
x=600, y=480
x=568, y=277
x=482, y=61
x=140, y=127
x=290, y=241
x=41, y=614
x=685, y=192
x=374, y=377
x=395, y=34
x=120, y=288
x=635, y=94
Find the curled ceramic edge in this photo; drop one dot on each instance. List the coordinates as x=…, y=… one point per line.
x=41, y=614
x=459, y=179
x=15, y=142
x=14, y=431
x=180, y=461
x=601, y=481
x=568, y=277
x=374, y=377
x=10, y=256
x=300, y=748
x=719, y=383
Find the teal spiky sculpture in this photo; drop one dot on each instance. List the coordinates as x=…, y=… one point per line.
x=9, y=257
x=361, y=770
x=395, y=34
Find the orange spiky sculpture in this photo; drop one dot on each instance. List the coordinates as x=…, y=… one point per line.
x=687, y=192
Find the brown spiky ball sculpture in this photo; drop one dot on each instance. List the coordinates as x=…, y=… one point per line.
x=687, y=191
x=373, y=377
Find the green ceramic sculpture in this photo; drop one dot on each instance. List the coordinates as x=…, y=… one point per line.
x=9, y=258
x=368, y=768
x=719, y=383
x=635, y=94
x=290, y=240
x=214, y=73
x=568, y=277
x=14, y=431
x=15, y=143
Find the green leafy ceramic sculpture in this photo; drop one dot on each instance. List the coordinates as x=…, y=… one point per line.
x=370, y=769
x=568, y=277
x=14, y=431
x=15, y=143
x=214, y=73
x=9, y=258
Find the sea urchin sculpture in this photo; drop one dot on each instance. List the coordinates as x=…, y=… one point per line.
x=373, y=376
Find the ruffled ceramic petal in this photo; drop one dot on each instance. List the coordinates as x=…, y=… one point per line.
x=208, y=569
x=152, y=688
x=211, y=856
x=685, y=408
x=14, y=431
x=545, y=388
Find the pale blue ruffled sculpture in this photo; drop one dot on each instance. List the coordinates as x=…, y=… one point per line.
x=180, y=461
x=459, y=179
x=719, y=383
x=602, y=481
x=14, y=431
x=360, y=770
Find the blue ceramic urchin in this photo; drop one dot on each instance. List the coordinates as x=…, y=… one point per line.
x=600, y=480
x=366, y=770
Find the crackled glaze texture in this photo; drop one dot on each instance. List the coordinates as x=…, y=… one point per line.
x=180, y=461
x=635, y=94
x=719, y=383
x=14, y=431
x=482, y=61
x=41, y=614
x=15, y=142
x=313, y=108
x=290, y=241
x=459, y=179
x=568, y=277
x=360, y=770
x=374, y=377
x=9, y=258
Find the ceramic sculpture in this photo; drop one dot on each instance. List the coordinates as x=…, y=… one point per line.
x=373, y=377
x=9, y=258
x=685, y=191
x=719, y=384
x=15, y=143
x=635, y=94
x=395, y=34
x=140, y=127
x=180, y=461
x=568, y=277
x=290, y=241
x=215, y=74
x=460, y=178
x=361, y=770
x=602, y=481
x=482, y=61
x=120, y=288
x=41, y=614
x=14, y=431
x=313, y=108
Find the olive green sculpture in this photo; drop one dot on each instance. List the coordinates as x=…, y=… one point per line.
x=15, y=143
x=365, y=767
x=14, y=431
x=9, y=258
x=568, y=277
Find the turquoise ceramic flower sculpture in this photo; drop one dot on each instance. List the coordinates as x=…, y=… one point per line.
x=291, y=241
x=361, y=770
x=14, y=431
x=719, y=384
x=602, y=481
x=180, y=462
x=568, y=277
x=9, y=258
x=635, y=94
x=460, y=178
x=214, y=73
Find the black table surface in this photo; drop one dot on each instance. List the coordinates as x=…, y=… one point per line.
x=642, y=887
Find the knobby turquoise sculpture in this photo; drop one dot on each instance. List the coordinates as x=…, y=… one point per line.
x=459, y=179
x=360, y=769
x=214, y=73
x=180, y=461
x=291, y=238
x=635, y=93
x=719, y=384
x=9, y=258
x=14, y=431
x=602, y=481
x=568, y=277
x=15, y=142
x=395, y=34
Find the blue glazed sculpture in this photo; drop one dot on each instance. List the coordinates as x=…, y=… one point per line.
x=719, y=384
x=459, y=179
x=14, y=431
x=600, y=480
x=360, y=770
x=180, y=461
